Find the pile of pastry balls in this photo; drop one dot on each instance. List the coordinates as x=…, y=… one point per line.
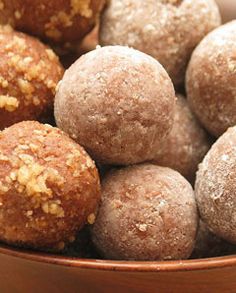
x=129, y=154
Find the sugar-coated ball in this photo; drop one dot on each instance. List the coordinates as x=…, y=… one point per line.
x=186, y=145
x=147, y=213
x=215, y=187
x=168, y=30
x=210, y=245
x=211, y=82
x=118, y=103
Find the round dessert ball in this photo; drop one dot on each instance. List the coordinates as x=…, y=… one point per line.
x=147, y=213
x=118, y=103
x=168, y=30
x=29, y=73
x=49, y=187
x=58, y=21
x=215, y=187
x=211, y=82
x=209, y=245
x=186, y=145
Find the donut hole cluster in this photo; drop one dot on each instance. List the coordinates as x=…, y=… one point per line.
x=138, y=159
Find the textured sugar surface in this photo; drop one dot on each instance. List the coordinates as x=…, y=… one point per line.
x=211, y=82
x=147, y=213
x=216, y=187
x=186, y=145
x=118, y=103
x=166, y=30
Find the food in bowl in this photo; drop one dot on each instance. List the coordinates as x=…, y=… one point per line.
x=29, y=74
x=118, y=103
x=49, y=187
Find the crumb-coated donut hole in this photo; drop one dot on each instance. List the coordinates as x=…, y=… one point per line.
x=49, y=187
x=168, y=30
x=116, y=102
x=58, y=21
x=147, y=213
x=215, y=187
x=29, y=73
x=186, y=145
x=211, y=82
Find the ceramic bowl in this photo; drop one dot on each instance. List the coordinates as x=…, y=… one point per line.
x=25, y=271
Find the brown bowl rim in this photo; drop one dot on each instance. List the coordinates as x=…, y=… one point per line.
x=122, y=266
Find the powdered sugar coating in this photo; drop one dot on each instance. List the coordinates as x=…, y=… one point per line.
x=147, y=213
x=211, y=82
x=186, y=144
x=167, y=30
x=215, y=187
x=118, y=103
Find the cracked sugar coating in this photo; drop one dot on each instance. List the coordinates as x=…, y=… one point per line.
x=215, y=187
x=49, y=187
x=168, y=30
x=211, y=82
x=147, y=213
x=29, y=73
x=116, y=102
x=58, y=21
x=186, y=144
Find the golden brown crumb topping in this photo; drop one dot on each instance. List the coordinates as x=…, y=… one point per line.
x=64, y=19
x=8, y=103
x=33, y=179
x=24, y=72
x=91, y=219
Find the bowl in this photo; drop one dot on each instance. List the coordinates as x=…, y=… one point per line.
x=27, y=271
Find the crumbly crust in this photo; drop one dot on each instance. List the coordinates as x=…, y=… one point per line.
x=29, y=73
x=58, y=21
x=49, y=187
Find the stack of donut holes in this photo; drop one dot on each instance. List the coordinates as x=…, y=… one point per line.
x=129, y=153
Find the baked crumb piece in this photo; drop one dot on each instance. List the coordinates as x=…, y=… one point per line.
x=8, y=103
x=91, y=219
x=53, y=207
x=3, y=82
x=51, y=55
x=81, y=7
x=3, y=188
x=64, y=19
x=17, y=14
